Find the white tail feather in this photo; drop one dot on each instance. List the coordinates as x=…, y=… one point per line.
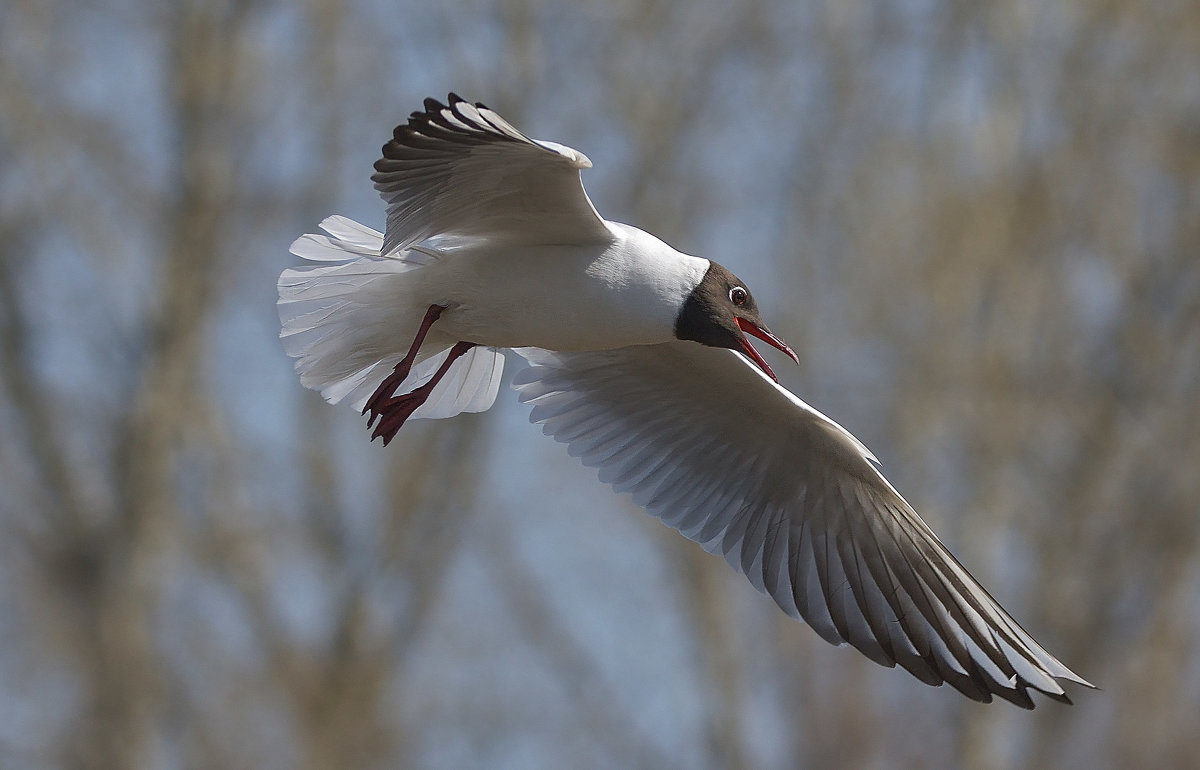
x=349, y=322
x=470, y=385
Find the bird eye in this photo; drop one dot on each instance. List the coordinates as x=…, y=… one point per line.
x=738, y=296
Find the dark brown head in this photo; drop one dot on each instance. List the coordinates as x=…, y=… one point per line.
x=720, y=312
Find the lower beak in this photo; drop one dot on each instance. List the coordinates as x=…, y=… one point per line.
x=766, y=336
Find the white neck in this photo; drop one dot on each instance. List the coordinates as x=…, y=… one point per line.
x=643, y=259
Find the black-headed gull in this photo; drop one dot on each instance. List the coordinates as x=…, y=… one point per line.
x=640, y=363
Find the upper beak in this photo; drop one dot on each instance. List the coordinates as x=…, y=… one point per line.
x=749, y=327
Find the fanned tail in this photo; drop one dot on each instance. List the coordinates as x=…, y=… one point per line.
x=349, y=321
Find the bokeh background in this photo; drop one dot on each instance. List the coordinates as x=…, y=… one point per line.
x=977, y=223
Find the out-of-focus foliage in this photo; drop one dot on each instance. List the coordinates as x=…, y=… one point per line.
x=978, y=223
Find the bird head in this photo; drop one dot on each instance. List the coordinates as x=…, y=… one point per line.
x=720, y=312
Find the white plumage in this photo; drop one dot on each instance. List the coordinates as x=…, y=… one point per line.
x=345, y=323
x=492, y=243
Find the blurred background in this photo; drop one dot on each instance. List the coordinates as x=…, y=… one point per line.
x=977, y=223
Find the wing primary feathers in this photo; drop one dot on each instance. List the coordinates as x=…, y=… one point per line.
x=793, y=502
x=897, y=598
x=462, y=170
x=990, y=638
x=808, y=593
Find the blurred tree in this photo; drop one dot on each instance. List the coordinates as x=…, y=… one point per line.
x=978, y=224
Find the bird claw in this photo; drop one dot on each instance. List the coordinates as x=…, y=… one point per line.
x=393, y=413
x=386, y=389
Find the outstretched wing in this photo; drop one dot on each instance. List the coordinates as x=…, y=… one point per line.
x=464, y=170
x=712, y=447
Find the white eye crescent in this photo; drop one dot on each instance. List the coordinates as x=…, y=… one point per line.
x=738, y=296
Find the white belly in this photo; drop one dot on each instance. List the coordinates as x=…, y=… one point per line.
x=563, y=298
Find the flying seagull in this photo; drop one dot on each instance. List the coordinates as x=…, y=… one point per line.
x=641, y=363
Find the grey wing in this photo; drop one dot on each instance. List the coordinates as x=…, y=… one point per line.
x=461, y=169
x=712, y=447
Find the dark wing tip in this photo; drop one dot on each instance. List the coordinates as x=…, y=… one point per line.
x=454, y=99
x=1060, y=697
x=402, y=132
x=1019, y=696
x=439, y=124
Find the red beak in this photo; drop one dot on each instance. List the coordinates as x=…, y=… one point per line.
x=767, y=337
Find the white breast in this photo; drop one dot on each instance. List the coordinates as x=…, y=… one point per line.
x=568, y=298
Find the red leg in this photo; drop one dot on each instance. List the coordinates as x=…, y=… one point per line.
x=387, y=388
x=394, y=411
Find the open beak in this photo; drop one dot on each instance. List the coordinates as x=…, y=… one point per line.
x=766, y=336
